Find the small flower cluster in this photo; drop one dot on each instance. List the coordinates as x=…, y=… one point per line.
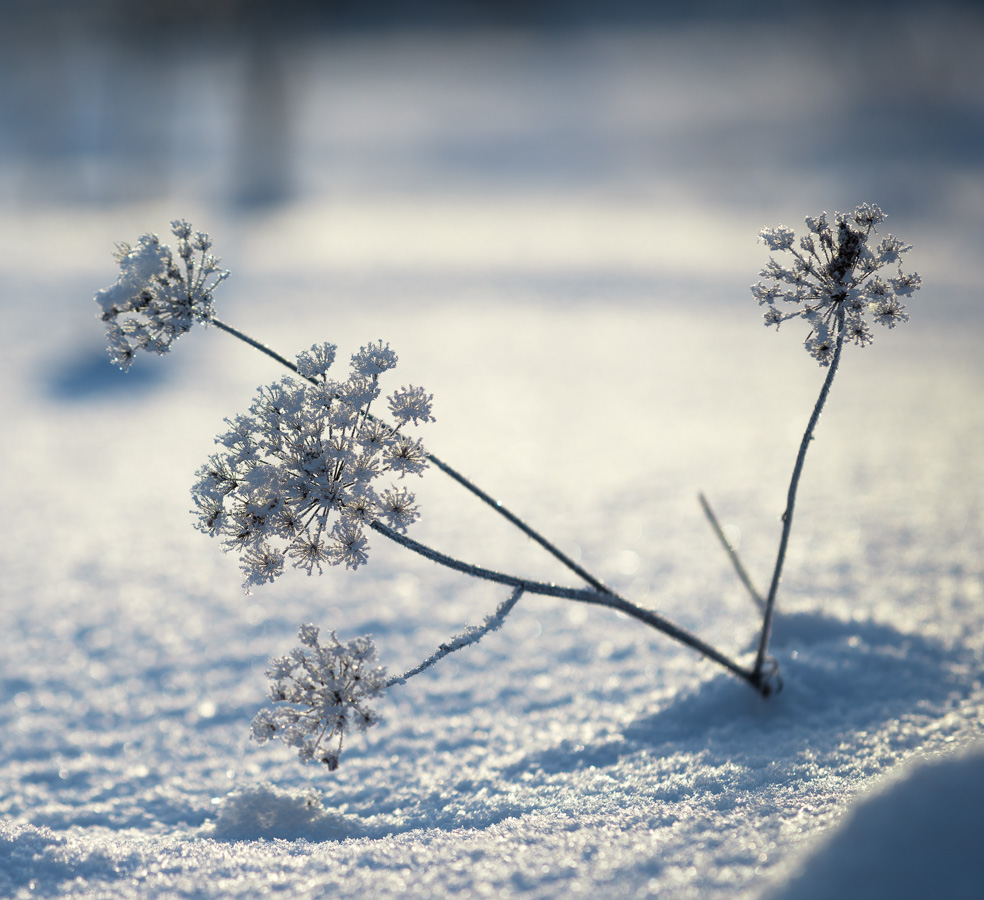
x=324, y=691
x=295, y=476
x=153, y=301
x=832, y=281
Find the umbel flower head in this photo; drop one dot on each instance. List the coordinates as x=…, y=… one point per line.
x=321, y=692
x=156, y=299
x=833, y=281
x=295, y=476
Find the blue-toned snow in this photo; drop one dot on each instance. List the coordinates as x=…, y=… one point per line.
x=577, y=300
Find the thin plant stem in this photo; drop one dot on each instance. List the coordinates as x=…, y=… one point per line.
x=513, y=519
x=448, y=470
x=732, y=553
x=787, y=516
x=468, y=637
x=246, y=339
x=581, y=595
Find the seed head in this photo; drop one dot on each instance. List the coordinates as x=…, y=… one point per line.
x=832, y=281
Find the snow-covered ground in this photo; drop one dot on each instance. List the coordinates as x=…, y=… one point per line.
x=557, y=238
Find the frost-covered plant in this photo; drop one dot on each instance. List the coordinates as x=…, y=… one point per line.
x=832, y=284
x=156, y=299
x=832, y=281
x=295, y=478
x=321, y=692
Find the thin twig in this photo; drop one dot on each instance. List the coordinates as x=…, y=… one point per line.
x=471, y=635
x=521, y=525
x=246, y=339
x=731, y=551
x=581, y=595
x=787, y=516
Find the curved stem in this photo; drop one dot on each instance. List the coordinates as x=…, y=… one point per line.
x=608, y=598
x=471, y=635
x=787, y=516
x=494, y=504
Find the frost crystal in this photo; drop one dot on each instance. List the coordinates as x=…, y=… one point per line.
x=411, y=404
x=295, y=476
x=155, y=299
x=832, y=282
x=322, y=693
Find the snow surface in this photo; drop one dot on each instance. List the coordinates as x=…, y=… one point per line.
x=596, y=360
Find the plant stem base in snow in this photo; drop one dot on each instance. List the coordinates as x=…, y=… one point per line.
x=765, y=677
x=758, y=673
x=582, y=595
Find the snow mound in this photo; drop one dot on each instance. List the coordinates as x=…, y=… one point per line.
x=263, y=811
x=918, y=834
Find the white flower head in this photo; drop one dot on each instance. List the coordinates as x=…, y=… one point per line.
x=295, y=478
x=779, y=238
x=157, y=299
x=411, y=404
x=374, y=359
x=320, y=693
x=832, y=281
x=317, y=361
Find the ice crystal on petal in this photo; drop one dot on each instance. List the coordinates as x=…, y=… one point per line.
x=294, y=479
x=399, y=509
x=156, y=299
x=316, y=361
x=890, y=312
x=374, y=359
x=831, y=282
x=411, y=404
x=349, y=545
x=407, y=456
x=780, y=238
x=321, y=692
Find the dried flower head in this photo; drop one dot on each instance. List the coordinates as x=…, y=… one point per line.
x=832, y=281
x=157, y=299
x=321, y=692
x=295, y=476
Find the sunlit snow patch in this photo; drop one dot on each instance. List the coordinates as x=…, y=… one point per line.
x=266, y=812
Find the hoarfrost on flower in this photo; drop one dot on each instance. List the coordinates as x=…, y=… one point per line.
x=157, y=299
x=295, y=477
x=374, y=359
x=832, y=281
x=321, y=692
x=411, y=404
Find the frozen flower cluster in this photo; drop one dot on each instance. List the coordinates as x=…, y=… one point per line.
x=295, y=476
x=321, y=693
x=156, y=298
x=833, y=281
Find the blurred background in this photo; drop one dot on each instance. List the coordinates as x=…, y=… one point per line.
x=530, y=133
x=551, y=210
